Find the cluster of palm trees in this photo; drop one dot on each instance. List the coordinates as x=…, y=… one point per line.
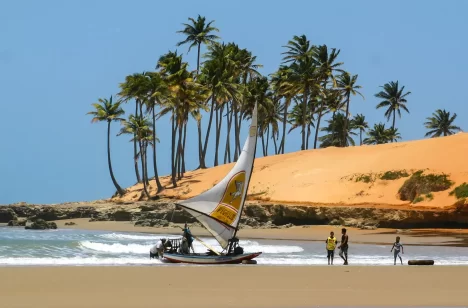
x=309, y=84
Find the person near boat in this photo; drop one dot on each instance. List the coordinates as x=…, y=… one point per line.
x=397, y=246
x=188, y=237
x=157, y=251
x=331, y=245
x=344, y=246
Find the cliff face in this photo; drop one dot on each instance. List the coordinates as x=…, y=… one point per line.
x=257, y=215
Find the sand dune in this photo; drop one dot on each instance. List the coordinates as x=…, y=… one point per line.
x=328, y=176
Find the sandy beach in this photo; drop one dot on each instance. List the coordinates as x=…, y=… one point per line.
x=231, y=286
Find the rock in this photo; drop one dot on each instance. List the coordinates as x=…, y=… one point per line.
x=71, y=223
x=368, y=227
x=152, y=223
x=21, y=222
x=121, y=215
x=7, y=214
x=40, y=224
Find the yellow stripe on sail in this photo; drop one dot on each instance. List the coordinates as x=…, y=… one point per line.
x=227, y=210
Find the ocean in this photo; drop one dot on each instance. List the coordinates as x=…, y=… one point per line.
x=68, y=247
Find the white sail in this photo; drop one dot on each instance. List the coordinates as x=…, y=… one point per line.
x=219, y=208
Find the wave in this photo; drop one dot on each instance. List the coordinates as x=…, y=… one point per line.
x=135, y=237
x=144, y=248
x=116, y=247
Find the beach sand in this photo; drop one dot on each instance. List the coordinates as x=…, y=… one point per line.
x=324, y=177
x=231, y=286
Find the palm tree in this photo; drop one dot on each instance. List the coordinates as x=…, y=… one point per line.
x=279, y=83
x=359, y=122
x=334, y=130
x=106, y=110
x=296, y=120
x=134, y=87
x=140, y=128
x=158, y=92
x=347, y=85
x=441, y=123
x=394, y=99
x=302, y=76
x=379, y=134
x=198, y=33
x=219, y=75
x=326, y=66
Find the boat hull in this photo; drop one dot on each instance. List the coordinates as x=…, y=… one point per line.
x=209, y=259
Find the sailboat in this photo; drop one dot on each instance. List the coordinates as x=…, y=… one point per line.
x=219, y=210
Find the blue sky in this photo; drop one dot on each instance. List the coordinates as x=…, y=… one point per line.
x=58, y=57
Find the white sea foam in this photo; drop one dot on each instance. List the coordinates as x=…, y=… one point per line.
x=116, y=247
x=136, y=237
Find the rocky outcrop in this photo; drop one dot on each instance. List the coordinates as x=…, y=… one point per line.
x=162, y=213
x=40, y=224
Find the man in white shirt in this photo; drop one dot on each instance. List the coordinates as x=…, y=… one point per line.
x=158, y=249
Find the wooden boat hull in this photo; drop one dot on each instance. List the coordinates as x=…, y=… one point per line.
x=209, y=259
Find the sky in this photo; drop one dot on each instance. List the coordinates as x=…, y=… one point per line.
x=58, y=57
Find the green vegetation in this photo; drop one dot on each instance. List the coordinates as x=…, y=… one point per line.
x=461, y=191
x=420, y=183
x=394, y=175
x=429, y=196
x=441, y=124
x=310, y=90
x=418, y=199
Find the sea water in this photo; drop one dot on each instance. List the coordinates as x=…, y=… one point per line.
x=20, y=247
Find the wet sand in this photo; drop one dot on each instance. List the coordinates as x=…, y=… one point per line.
x=426, y=237
x=231, y=286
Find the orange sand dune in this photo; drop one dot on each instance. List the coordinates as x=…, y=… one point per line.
x=322, y=176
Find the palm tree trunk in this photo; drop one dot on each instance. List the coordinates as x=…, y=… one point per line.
x=200, y=146
x=179, y=153
x=360, y=136
x=218, y=132
x=155, y=166
x=267, y=140
x=304, y=109
x=394, y=114
x=239, y=149
x=345, y=127
x=135, y=148
x=117, y=186
x=145, y=151
x=318, y=125
x=228, y=138
x=145, y=189
x=198, y=59
x=207, y=137
x=236, y=132
x=285, y=119
x=274, y=143
x=173, y=163
x=263, y=141
x=183, y=149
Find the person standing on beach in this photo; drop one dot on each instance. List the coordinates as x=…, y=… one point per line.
x=344, y=246
x=331, y=245
x=397, y=246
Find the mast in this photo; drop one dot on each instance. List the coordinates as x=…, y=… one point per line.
x=250, y=175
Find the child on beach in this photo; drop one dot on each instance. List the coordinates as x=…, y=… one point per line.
x=344, y=246
x=397, y=246
x=331, y=245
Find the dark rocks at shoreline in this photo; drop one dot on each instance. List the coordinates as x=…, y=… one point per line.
x=40, y=224
x=163, y=213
